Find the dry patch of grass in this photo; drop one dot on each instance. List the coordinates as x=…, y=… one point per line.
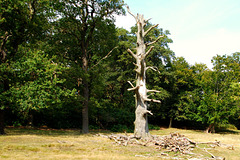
x=24, y=144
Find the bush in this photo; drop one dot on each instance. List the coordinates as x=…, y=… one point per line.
x=226, y=127
x=121, y=128
x=94, y=127
x=153, y=127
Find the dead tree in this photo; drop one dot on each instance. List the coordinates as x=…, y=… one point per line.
x=141, y=96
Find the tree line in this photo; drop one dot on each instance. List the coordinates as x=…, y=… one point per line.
x=64, y=64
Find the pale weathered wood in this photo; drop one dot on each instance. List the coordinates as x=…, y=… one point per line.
x=174, y=142
x=141, y=97
x=151, y=43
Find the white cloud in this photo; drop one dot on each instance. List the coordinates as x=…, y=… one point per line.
x=125, y=21
x=202, y=49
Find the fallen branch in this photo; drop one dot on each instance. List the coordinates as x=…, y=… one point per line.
x=217, y=143
x=174, y=142
x=213, y=156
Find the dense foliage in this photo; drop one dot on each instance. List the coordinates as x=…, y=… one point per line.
x=65, y=62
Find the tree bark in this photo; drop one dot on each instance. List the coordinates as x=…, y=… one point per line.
x=141, y=121
x=3, y=58
x=2, y=111
x=2, y=121
x=210, y=128
x=170, y=123
x=85, y=119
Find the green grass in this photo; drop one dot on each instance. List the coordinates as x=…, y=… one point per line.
x=26, y=144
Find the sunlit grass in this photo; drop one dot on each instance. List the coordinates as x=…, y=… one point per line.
x=24, y=144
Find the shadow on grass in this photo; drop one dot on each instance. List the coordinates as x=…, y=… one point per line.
x=48, y=131
x=221, y=130
x=227, y=131
x=76, y=132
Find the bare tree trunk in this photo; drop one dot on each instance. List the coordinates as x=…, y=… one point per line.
x=141, y=97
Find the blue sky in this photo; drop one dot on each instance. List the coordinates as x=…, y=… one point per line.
x=200, y=29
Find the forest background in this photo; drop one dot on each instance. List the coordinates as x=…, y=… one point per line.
x=64, y=64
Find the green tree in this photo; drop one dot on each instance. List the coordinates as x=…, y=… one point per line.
x=189, y=99
x=213, y=101
x=20, y=22
x=38, y=82
x=113, y=109
x=181, y=80
x=82, y=25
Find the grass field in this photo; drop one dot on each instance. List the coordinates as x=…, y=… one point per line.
x=46, y=144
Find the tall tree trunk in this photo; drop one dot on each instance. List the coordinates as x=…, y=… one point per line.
x=2, y=111
x=210, y=128
x=30, y=119
x=85, y=119
x=170, y=122
x=3, y=59
x=141, y=97
x=2, y=121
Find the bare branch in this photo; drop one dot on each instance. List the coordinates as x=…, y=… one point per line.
x=128, y=9
x=147, y=111
x=104, y=57
x=151, y=48
x=156, y=91
x=154, y=68
x=134, y=88
x=135, y=64
x=152, y=27
x=130, y=51
x=130, y=83
x=150, y=94
x=148, y=20
x=148, y=44
x=210, y=153
x=152, y=100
